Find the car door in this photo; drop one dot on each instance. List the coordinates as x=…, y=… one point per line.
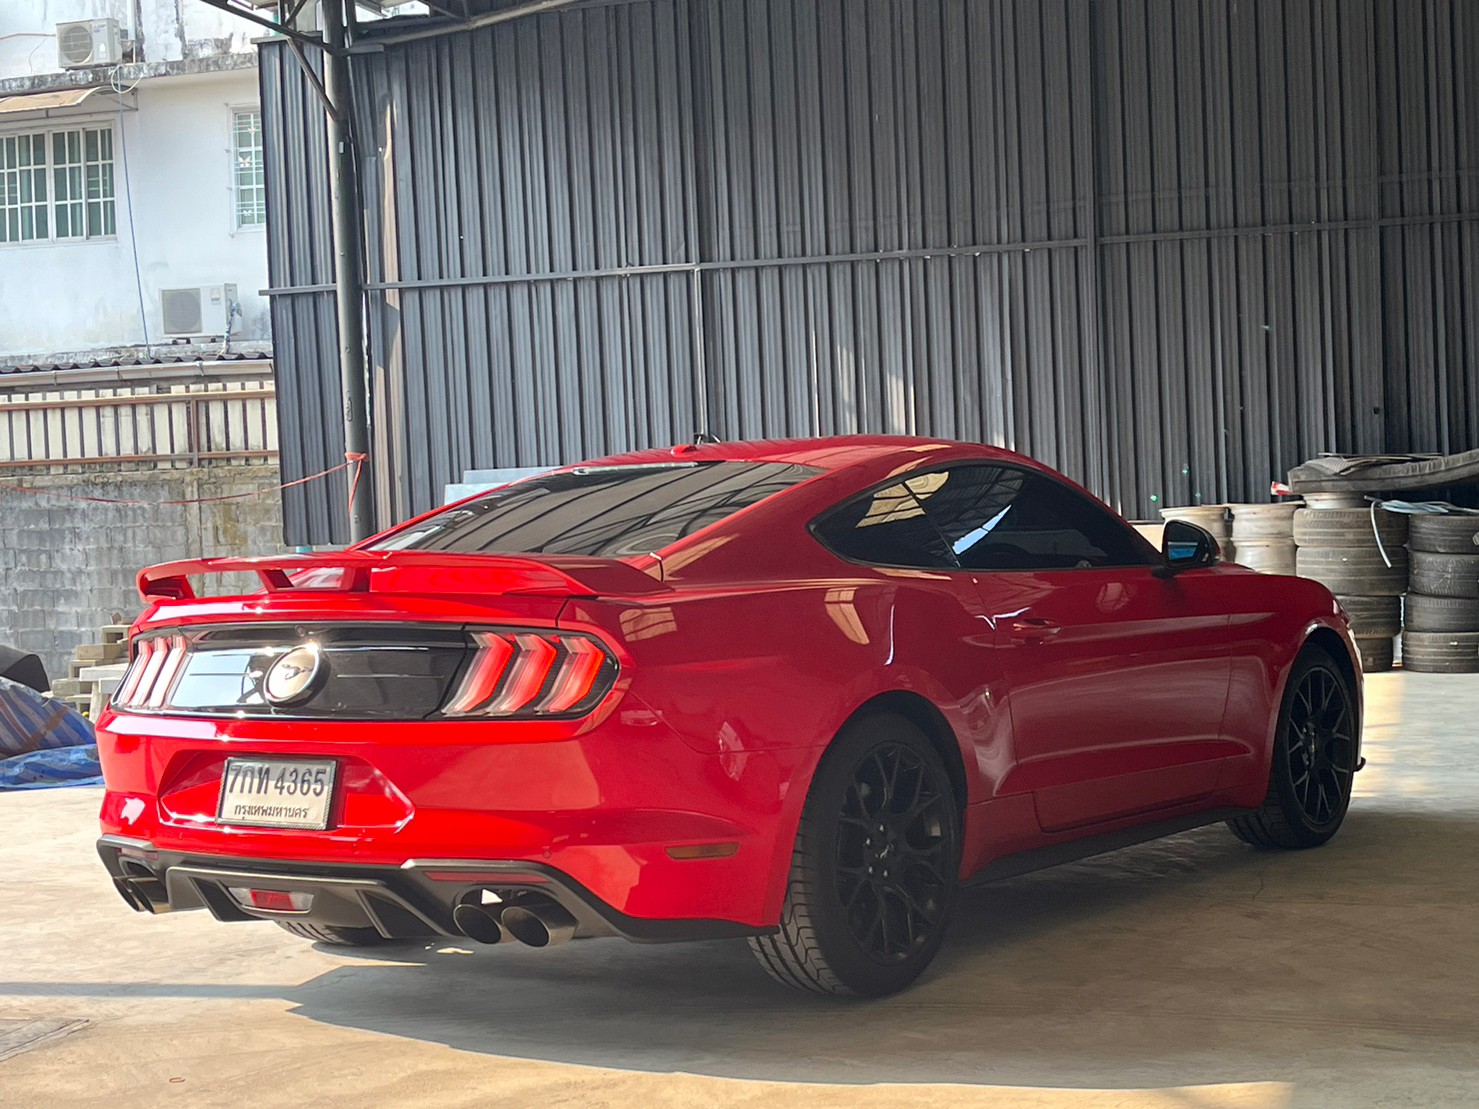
x=1117, y=678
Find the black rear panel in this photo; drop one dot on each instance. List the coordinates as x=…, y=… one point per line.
x=371, y=671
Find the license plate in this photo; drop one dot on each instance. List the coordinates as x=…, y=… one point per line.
x=277, y=793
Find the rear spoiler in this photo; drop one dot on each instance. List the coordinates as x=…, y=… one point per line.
x=410, y=572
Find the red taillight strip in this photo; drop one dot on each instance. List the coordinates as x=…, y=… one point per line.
x=487, y=670
x=135, y=672
x=583, y=662
x=164, y=683
x=530, y=669
x=157, y=658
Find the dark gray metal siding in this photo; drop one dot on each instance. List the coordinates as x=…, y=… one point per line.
x=1171, y=247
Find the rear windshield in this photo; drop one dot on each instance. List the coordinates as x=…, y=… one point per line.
x=602, y=511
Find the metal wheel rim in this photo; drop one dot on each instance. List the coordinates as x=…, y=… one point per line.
x=1321, y=746
x=893, y=853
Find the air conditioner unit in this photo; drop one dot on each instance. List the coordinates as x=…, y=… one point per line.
x=88, y=42
x=197, y=312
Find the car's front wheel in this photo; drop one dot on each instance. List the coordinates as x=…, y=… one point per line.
x=875, y=868
x=1314, y=759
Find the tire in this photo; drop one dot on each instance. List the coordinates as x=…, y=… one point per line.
x=1376, y=653
x=1262, y=521
x=1441, y=614
x=1344, y=527
x=1290, y=817
x=1441, y=652
x=338, y=937
x=1457, y=533
x=1355, y=571
x=1445, y=575
x=1267, y=556
x=834, y=932
x=1373, y=617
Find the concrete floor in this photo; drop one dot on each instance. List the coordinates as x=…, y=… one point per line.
x=1194, y=972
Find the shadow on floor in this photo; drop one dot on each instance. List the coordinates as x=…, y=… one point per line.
x=1190, y=960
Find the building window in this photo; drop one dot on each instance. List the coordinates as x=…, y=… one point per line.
x=247, y=174
x=56, y=186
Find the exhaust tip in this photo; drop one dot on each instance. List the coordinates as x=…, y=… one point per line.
x=539, y=925
x=476, y=923
x=133, y=892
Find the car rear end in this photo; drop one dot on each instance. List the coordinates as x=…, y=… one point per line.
x=412, y=740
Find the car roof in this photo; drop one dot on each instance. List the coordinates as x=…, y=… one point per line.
x=827, y=453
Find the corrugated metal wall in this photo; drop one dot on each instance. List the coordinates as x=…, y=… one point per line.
x=1171, y=247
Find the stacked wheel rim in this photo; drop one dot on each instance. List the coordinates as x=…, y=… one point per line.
x=1358, y=554
x=1263, y=536
x=1441, y=626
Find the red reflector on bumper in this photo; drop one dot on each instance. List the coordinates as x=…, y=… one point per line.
x=275, y=901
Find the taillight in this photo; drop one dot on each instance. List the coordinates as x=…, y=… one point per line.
x=532, y=674
x=156, y=666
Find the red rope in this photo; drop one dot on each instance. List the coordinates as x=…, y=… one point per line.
x=350, y=459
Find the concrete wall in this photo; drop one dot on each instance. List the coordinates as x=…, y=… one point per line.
x=67, y=566
x=75, y=296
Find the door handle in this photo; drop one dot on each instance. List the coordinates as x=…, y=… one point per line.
x=1030, y=630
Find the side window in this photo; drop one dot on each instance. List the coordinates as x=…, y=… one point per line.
x=1001, y=518
x=887, y=528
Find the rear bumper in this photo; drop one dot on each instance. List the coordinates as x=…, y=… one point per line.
x=411, y=901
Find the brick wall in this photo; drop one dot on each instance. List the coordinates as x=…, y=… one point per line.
x=68, y=566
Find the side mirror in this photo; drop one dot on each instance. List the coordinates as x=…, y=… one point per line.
x=1184, y=546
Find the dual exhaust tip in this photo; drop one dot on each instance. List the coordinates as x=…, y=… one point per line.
x=541, y=924
x=144, y=895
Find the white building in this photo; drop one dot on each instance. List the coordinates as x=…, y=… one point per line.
x=125, y=178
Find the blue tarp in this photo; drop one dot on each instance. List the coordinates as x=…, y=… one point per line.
x=43, y=742
x=60, y=766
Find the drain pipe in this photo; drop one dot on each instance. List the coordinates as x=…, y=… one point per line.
x=348, y=277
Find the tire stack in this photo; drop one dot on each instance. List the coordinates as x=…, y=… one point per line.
x=1209, y=517
x=1441, y=631
x=1338, y=548
x=1264, y=537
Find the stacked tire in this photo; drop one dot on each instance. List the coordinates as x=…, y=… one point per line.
x=1441, y=630
x=1342, y=549
x=1211, y=518
x=1263, y=536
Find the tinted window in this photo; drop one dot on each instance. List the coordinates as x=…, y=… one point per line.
x=603, y=511
x=1000, y=518
x=885, y=528
x=980, y=518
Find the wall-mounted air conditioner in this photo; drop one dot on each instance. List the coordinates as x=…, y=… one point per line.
x=88, y=42
x=197, y=312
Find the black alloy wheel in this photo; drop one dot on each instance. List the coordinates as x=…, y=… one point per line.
x=1320, y=745
x=1316, y=746
x=875, y=869
x=891, y=844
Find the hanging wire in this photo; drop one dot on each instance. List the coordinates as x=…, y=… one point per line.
x=133, y=238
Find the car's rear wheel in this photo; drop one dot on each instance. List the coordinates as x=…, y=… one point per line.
x=1314, y=759
x=338, y=937
x=875, y=868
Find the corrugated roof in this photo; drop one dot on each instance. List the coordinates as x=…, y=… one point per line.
x=157, y=356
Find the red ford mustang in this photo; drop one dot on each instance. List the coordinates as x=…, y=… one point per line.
x=794, y=691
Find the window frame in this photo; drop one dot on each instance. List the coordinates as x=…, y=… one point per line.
x=820, y=520
x=48, y=135
x=235, y=226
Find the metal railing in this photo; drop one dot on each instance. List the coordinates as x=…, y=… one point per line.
x=221, y=420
